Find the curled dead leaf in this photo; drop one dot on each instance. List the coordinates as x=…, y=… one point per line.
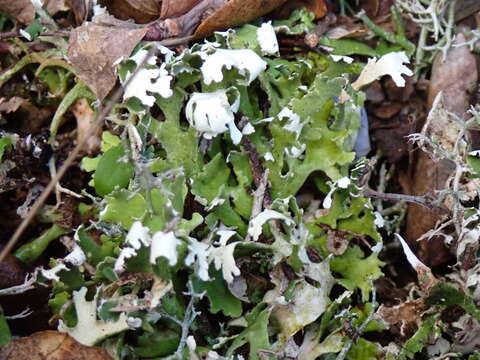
x=234, y=13
x=21, y=10
x=51, y=345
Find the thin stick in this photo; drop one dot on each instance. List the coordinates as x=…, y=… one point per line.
x=101, y=115
x=424, y=200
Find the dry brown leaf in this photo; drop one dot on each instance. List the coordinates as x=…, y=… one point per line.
x=456, y=77
x=142, y=11
x=371, y=7
x=387, y=110
x=347, y=27
x=51, y=345
x=173, y=8
x=11, y=272
x=79, y=9
x=185, y=24
x=408, y=315
x=234, y=13
x=93, y=49
x=11, y=105
x=22, y=10
x=85, y=116
x=55, y=6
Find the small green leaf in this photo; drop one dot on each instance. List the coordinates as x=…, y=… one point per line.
x=256, y=333
x=79, y=91
x=209, y=183
x=124, y=207
x=357, y=271
x=473, y=161
x=363, y=350
x=31, y=251
x=221, y=299
x=418, y=340
x=113, y=170
x=159, y=343
x=5, y=143
x=299, y=22
x=34, y=29
x=109, y=141
x=348, y=47
x=444, y=294
x=5, y=334
x=94, y=252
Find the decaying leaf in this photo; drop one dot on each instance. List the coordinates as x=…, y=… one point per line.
x=425, y=276
x=85, y=115
x=440, y=125
x=51, y=345
x=407, y=315
x=142, y=11
x=11, y=271
x=94, y=48
x=55, y=6
x=456, y=78
x=79, y=9
x=307, y=304
x=11, y=105
x=172, y=8
x=22, y=10
x=235, y=12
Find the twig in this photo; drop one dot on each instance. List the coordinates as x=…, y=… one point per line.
x=101, y=115
x=9, y=34
x=427, y=200
x=188, y=319
x=28, y=284
x=174, y=41
x=341, y=232
x=25, y=313
x=16, y=34
x=398, y=38
x=257, y=167
x=259, y=195
x=360, y=329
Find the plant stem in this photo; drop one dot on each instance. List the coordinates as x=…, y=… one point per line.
x=31, y=251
